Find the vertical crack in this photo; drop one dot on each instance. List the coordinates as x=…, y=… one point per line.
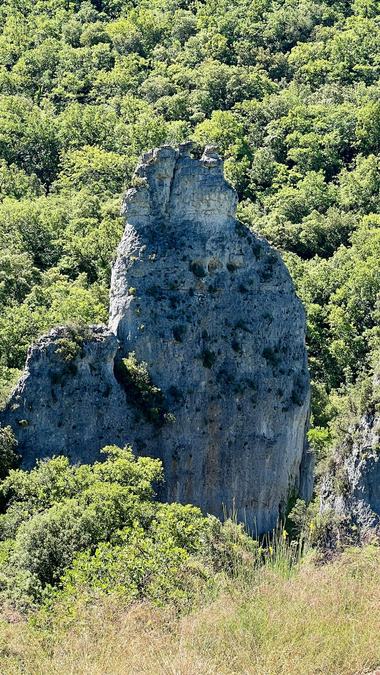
x=169, y=202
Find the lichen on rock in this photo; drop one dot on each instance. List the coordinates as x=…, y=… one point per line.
x=210, y=308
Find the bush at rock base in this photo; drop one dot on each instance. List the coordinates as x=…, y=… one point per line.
x=70, y=530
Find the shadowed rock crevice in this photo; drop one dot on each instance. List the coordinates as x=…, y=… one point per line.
x=217, y=334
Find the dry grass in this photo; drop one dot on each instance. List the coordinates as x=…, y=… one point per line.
x=319, y=620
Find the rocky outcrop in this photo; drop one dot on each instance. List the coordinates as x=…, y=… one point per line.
x=211, y=310
x=68, y=400
x=351, y=489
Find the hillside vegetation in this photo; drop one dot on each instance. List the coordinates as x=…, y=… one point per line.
x=290, y=92
x=302, y=622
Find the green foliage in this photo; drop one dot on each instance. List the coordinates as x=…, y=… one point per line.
x=56, y=301
x=8, y=381
x=307, y=523
x=140, y=390
x=8, y=451
x=35, y=146
x=76, y=530
x=71, y=345
x=320, y=440
x=157, y=563
x=94, y=169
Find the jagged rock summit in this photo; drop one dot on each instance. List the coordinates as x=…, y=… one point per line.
x=204, y=361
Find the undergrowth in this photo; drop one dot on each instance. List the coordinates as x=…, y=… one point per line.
x=318, y=619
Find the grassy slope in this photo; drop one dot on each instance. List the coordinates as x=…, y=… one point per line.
x=319, y=619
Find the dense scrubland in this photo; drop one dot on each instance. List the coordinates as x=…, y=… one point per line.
x=112, y=581
x=290, y=92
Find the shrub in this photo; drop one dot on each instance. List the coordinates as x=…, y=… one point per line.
x=8, y=451
x=73, y=531
x=70, y=346
x=136, y=380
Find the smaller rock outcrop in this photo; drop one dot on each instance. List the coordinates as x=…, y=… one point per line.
x=68, y=400
x=351, y=490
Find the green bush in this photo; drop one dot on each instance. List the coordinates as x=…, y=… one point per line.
x=70, y=346
x=72, y=530
x=8, y=451
x=136, y=380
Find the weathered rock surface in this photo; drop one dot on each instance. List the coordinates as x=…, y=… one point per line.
x=69, y=406
x=211, y=309
x=352, y=488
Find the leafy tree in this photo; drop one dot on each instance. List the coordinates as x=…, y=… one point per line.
x=98, y=529
x=94, y=169
x=55, y=302
x=17, y=277
x=35, y=146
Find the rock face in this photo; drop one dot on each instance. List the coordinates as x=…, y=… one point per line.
x=352, y=488
x=210, y=308
x=69, y=405
x=212, y=311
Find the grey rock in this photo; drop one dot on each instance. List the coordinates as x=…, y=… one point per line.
x=211, y=309
x=214, y=315
x=351, y=489
x=68, y=406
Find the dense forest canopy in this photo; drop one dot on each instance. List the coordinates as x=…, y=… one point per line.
x=288, y=90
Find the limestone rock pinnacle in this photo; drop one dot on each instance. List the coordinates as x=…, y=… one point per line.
x=210, y=308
